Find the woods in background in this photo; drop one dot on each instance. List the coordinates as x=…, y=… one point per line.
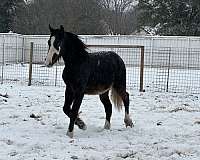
x=177, y=17
x=78, y=16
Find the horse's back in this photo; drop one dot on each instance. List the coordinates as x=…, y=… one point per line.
x=107, y=59
x=107, y=69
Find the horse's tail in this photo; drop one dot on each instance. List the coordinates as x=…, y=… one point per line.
x=116, y=99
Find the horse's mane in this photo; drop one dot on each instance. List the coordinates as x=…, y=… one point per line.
x=76, y=43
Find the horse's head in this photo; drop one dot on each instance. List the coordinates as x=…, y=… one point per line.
x=54, y=43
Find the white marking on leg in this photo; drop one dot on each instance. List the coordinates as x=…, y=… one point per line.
x=107, y=125
x=127, y=117
x=70, y=134
x=128, y=120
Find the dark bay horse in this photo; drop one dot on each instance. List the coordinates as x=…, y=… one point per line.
x=88, y=73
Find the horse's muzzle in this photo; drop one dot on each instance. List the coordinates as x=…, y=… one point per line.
x=54, y=60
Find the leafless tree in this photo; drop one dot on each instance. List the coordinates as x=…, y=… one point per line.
x=116, y=14
x=79, y=16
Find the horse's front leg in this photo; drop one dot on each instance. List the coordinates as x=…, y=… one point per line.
x=74, y=113
x=69, y=97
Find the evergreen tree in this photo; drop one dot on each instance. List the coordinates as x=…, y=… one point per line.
x=177, y=17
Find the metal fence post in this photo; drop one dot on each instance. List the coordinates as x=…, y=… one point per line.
x=142, y=69
x=56, y=75
x=168, y=70
x=17, y=52
x=3, y=60
x=152, y=47
x=23, y=50
x=188, y=52
x=30, y=64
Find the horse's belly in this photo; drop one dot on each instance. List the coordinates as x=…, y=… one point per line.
x=100, y=81
x=97, y=89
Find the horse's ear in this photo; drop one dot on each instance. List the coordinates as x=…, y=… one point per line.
x=50, y=28
x=62, y=30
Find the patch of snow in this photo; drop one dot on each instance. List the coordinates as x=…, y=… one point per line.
x=33, y=126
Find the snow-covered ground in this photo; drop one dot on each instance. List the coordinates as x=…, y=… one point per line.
x=167, y=127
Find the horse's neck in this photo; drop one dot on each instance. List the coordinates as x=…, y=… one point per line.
x=74, y=59
x=72, y=54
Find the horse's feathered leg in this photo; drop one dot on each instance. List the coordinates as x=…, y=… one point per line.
x=80, y=123
x=127, y=119
x=74, y=113
x=124, y=96
x=108, y=108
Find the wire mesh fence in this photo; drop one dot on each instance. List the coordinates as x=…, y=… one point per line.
x=173, y=70
x=53, y=76
x=166, y=69
x=11, y=63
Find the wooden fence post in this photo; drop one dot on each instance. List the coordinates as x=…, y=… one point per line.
x=30, y=65
x=142, y=69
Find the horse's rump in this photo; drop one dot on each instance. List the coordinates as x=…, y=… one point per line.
x=108, y=72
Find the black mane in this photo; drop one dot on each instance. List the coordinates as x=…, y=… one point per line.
x=76, y=44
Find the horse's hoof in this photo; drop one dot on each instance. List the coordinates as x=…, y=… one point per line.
x=128, y=123
x=81, y=125
x=107, y=125
x=84, y=127
x=70, y=134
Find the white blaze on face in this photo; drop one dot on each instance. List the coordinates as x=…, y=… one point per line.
x=51, y=52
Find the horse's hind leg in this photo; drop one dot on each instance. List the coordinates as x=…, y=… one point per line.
x=108, y=108
x=125, y=98
x=127, y=119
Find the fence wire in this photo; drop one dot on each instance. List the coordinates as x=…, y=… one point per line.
x=166, y=69
x=11, y=63
x=53, y=76
x=173, y=70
